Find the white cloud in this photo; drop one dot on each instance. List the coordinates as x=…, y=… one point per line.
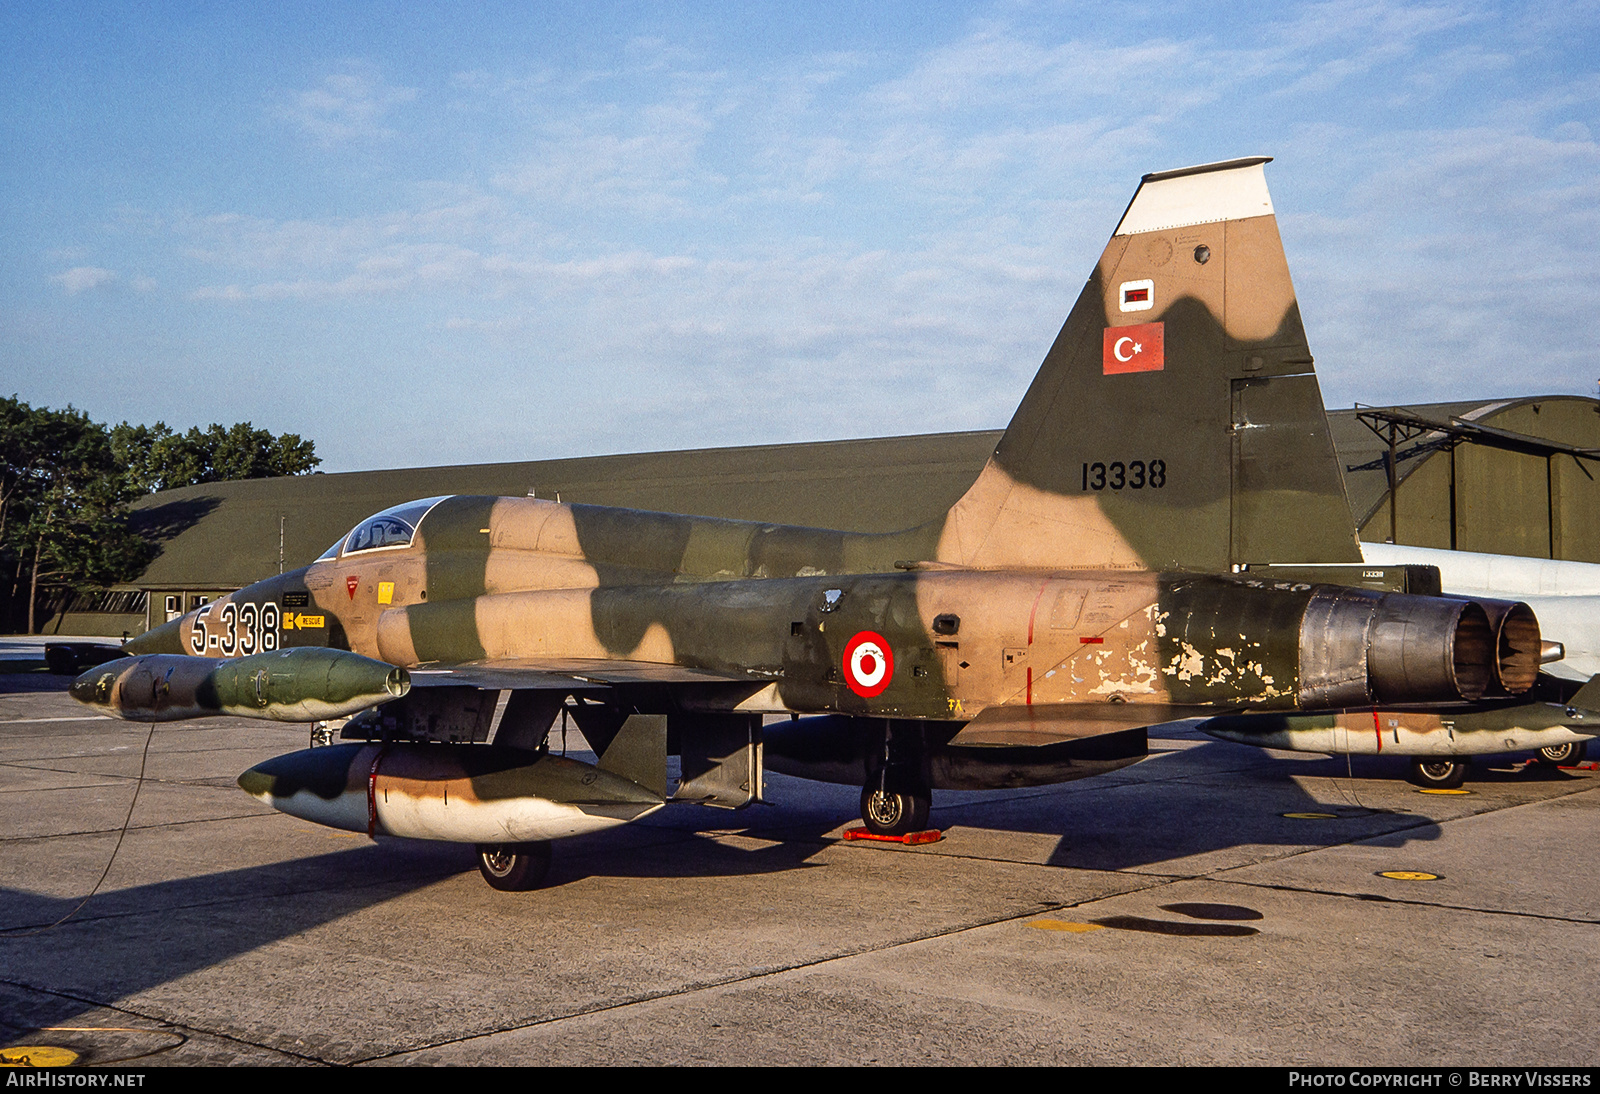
x=346, y=106
x=83, y=278
x=864, y=243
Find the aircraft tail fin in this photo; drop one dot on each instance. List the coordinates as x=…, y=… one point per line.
x=1176, y=422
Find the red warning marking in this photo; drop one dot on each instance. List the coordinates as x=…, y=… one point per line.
x=1091, y=640
x=1139, y=348
x=868, y=664
x=350, y=584
x=1135, y=295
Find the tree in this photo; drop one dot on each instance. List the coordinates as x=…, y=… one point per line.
x=64, y=523
x=157, y=458
x=65, y=484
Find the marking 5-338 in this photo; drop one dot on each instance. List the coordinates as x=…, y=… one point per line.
x=1133, y=475
x=241, y=628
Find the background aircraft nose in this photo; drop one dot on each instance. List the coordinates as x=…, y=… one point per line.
x=167, y=638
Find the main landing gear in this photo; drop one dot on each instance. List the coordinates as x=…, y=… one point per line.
x=892, y=812
x=514, y=867
x=896, y=799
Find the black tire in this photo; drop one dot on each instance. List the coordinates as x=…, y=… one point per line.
x=1568, y=755
x=893, y=813
x=1436, y=774
x=514, y=867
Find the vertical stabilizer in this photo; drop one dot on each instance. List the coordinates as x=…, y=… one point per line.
x=1176, y=423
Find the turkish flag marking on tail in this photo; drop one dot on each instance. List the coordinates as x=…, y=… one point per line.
x=1140, y=348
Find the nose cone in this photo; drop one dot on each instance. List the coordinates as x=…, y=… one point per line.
x=83, y=688
x=94, y=687
x=320, y=771
x=167, y=638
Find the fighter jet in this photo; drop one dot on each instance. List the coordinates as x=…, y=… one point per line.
x=1095, y=580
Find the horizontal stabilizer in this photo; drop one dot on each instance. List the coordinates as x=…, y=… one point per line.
x=1587, y=697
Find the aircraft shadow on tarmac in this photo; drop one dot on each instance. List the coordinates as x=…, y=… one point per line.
x=18, y=683
x=130, y=940
x=1211, y=797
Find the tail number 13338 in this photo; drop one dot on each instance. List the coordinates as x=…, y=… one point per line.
x=1133, y=475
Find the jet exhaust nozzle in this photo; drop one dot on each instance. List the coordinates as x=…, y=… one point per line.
x=1360, y=648
x=303, y=684
x=1328, y=647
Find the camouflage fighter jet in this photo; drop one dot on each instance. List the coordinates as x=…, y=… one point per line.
x=1088, y=585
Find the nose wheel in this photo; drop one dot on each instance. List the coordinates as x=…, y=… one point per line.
x=514, y=867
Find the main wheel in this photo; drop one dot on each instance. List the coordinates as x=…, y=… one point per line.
x=514, y=867
x=1567, y=755
x=1438, y=774
x=892, y=813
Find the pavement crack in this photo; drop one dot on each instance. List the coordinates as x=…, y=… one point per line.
x=1380, y=898
x=86, y=1001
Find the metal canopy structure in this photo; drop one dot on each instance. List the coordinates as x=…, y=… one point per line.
x=1398, y=425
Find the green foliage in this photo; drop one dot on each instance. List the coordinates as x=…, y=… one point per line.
x=157, y=458
x=66, y=481
x=63, y=504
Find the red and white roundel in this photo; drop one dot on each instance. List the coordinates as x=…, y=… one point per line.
x=868, y=664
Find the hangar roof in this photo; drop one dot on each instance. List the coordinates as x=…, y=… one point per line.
x=226, y=535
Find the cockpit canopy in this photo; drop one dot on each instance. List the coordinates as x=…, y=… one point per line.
x=390, y=529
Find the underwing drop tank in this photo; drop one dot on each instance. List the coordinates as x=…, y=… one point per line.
x=304, y=684
x=460, y=793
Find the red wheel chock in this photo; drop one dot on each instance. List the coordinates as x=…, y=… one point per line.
x=931, y=835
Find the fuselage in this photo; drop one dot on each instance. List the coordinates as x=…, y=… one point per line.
x=806, y=620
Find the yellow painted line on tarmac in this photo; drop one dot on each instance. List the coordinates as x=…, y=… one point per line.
x=1312, y=816
x=1408, y=875
x=1430, y=790
x=1063, y=925
x=36, y=1056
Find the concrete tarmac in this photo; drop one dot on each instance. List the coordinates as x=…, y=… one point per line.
x=1175, y=912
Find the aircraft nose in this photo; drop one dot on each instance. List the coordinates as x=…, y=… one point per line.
x=166, y=638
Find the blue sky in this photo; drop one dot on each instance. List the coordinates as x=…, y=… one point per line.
x=458, y=233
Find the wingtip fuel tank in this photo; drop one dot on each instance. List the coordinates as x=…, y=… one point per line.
x=304, y=684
